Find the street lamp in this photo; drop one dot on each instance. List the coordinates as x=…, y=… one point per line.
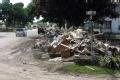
x=91, y=14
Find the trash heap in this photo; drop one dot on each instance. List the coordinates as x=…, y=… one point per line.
x=66, y=44
x=78, y=42
x=72, y=43
x=75, y=45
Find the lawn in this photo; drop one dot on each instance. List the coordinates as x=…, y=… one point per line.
x=88, y=69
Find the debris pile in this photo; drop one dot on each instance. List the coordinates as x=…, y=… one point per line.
x=71, y=43
x=65, y=44
x=79, y=42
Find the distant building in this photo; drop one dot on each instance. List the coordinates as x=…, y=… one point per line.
x=113, y=26
x=110, y=26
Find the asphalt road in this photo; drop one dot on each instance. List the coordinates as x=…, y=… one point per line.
x=17, y=62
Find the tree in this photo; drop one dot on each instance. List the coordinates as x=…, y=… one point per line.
x=20, y=5
x=31, y=11
x=74, y=11
x=15, y=14
x=6, y=12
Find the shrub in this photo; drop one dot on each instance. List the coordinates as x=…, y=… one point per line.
x=109, y=61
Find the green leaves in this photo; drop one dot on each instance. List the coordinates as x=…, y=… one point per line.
x=15, y=14
x=74, y=11
x=30, y=10
x=107, y=60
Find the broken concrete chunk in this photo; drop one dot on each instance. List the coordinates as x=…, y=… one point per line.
x=58, y=59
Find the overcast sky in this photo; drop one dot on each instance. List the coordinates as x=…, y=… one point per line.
x=24, y=1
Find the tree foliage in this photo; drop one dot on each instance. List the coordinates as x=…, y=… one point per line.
x=16, y=14
x=74, y=11
x=31, y=11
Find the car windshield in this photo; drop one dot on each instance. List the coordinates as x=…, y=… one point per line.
x=19, y=29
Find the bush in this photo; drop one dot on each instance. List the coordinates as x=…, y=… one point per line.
x=109, y=61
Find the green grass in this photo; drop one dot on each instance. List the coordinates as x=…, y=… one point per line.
x=88, y=69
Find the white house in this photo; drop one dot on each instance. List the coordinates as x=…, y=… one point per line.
x=114, y=25
x=109, y=26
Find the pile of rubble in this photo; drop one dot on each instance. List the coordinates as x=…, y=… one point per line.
x=65, y=44
x=76, y=42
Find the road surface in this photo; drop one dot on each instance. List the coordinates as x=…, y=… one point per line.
x=17, y=62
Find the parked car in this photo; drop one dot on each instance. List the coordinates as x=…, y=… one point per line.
x=20, y=32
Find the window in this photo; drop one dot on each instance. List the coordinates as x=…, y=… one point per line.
x=119, y=27
x=108, y=25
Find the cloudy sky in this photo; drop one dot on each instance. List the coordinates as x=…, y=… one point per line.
x=24, y=1
x=15, y=1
